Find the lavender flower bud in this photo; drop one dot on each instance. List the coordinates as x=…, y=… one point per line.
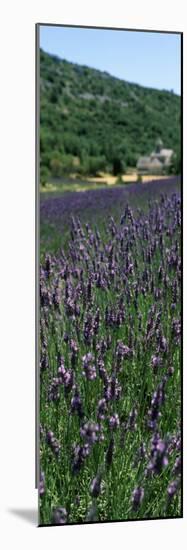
x=172, y=488
x=53, y=390
x=89, y=369
x=137, y=497
x=90, y=432
x=177, y=466
x=76, y=404
x=131, y=425
x=95, y=487
x=59, y=516
x=53, y=443
x=79, y=454
x=159, y=454
x=114, y=421
x=42, y=484
x=155, y=362
x=101, y=409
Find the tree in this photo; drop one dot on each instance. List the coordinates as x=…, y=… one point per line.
x=44, y=174
x=96, y=164
x=118, y=166
x=175, y=166
x=56, y=167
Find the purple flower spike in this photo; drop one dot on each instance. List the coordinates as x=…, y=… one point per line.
x=131, y=425
x=53, y=390
x=53, y=443
x=79, y=455
x=59, y=516
x=102, y=409
x=76, y=404
x=95, y=487
x=114, y=421
x=177, y=466
x=155, y=362
x=42, y=484
x=89, y=369
x=91, y=432
x=137, y=497
x=172, y=488
x=159, y=455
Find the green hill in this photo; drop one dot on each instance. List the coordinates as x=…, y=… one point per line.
x=92, y=121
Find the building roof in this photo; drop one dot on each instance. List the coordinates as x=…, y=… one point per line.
x=163, y=153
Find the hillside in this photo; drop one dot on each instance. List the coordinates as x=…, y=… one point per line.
x=92, y=121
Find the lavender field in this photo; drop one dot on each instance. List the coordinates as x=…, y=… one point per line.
x=110, y=354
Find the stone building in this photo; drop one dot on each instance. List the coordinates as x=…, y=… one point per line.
x=157, y=162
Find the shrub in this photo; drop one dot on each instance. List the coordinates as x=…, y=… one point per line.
x=44, y=174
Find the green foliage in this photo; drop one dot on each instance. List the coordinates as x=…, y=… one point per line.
x=56, y=167
x=96, y=164
x=118, y=165
x=44, y=174
x=175, y=166
x=91, y=115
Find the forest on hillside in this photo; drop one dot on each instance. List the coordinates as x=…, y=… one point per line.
x=91, y=121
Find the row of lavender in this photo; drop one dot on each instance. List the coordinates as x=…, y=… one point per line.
x=110, y=370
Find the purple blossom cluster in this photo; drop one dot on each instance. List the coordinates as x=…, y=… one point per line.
x=137, y=497
x=91, y=432
x=76, y=404
x=159, y=455
x=53, y=443
x=78, y=456
x=42, y=484
x=89, y=369
x=95, y=487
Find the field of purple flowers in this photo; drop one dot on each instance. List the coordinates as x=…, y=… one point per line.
x=110, y=365
x=93, y=206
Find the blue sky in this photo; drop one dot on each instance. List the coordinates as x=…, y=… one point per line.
x=146, y=58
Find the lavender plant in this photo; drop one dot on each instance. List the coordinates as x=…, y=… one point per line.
x=110, y=368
